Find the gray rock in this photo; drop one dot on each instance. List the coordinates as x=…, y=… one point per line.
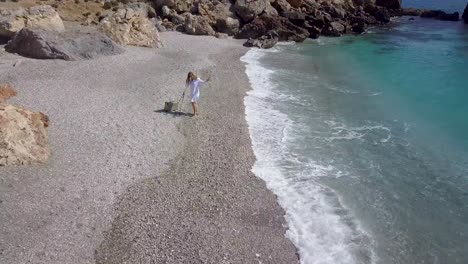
x=249, y=10
x=167, y=12
x=39, y=44
x=178, y=19
x=228, y=25
x=197, y=25
x=286, y=30
x=221, y=35
x=334, y=29
x=38, y=17
x=177, y=5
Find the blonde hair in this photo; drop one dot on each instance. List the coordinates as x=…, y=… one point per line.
x=191, y=77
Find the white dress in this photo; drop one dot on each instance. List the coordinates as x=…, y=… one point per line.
x=195, y=89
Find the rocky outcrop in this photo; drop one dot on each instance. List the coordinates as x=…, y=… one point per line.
x=131, y=26
x=179, y=6
x=286, y=30
x=37, y=17
x=383, y=16
x=23, y=134
x=440, y=15
x=465, y=14
x=266, y=41
x=219, y=16
x=334, y=29
x=248, y=10
x=392, y=4
x=198, y=25
x=411, y=12
x=39, y=44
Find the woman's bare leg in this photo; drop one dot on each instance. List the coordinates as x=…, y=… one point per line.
x=194, y=107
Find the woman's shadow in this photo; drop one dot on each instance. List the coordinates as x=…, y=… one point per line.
x=174, y=113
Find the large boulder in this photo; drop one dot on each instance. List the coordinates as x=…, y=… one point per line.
x=219, y=16
x=38, y=17
x=197, y=25
x=23, y=134
x=465, y=14
x=40, y=44
x=266, y=41
x=281, y=5
x=228, y=25
x=296, y=17
x=286, y=30
x=248, y=10
x=391, y=4
x=129, y=26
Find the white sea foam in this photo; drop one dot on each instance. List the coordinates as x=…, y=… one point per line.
x=376, y=133
x=320, y=233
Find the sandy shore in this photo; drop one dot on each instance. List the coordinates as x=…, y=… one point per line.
x=129, y=184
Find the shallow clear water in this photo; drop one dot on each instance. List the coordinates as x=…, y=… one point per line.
x=365, y=141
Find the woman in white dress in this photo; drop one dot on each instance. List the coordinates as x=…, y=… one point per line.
x=194, y=83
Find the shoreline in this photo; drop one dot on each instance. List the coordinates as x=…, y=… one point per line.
x=102, y=197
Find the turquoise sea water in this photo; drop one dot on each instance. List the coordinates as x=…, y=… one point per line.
x=365, y=141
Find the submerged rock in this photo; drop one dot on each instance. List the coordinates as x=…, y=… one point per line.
x=40, y=44
x=37, y=17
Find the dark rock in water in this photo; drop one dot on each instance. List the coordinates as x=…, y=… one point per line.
x=39, y=44
x=451, y=17
x=382, y=16
x=264, y=42
x=264, y=23
x=465, y=14
x=440, y=15
x=334, y=29
x=391, y=4
x=359, y=28
x=314, y=32
x=411, y=12
x=411, y=19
